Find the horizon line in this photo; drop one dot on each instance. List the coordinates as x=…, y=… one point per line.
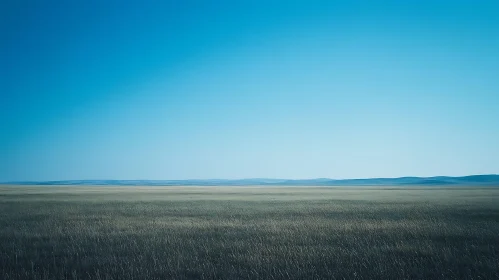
x=254, y=178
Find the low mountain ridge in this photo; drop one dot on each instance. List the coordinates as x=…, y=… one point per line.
x=476, y=180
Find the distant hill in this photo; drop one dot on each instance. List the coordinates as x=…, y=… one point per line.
x=475, y=180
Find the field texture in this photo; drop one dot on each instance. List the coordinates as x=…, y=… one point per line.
x=249, y=233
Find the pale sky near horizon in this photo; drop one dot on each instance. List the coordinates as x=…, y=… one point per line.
x=244, y=89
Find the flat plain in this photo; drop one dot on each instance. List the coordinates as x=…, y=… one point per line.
x=112, y=232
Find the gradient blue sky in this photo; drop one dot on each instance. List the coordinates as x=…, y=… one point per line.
x=239, y=89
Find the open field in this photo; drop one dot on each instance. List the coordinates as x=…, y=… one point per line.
x=249, y=232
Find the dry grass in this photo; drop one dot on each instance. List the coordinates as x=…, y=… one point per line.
x=248, y=233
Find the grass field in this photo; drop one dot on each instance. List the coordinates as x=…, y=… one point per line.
x=249, y=233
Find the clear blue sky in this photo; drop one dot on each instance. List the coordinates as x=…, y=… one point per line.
x=239, y=89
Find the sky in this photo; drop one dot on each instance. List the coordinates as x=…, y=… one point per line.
x=248, y=89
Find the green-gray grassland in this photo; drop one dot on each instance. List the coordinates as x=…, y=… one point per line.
x=249, y=232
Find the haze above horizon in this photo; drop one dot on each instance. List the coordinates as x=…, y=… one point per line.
x=248, y=89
